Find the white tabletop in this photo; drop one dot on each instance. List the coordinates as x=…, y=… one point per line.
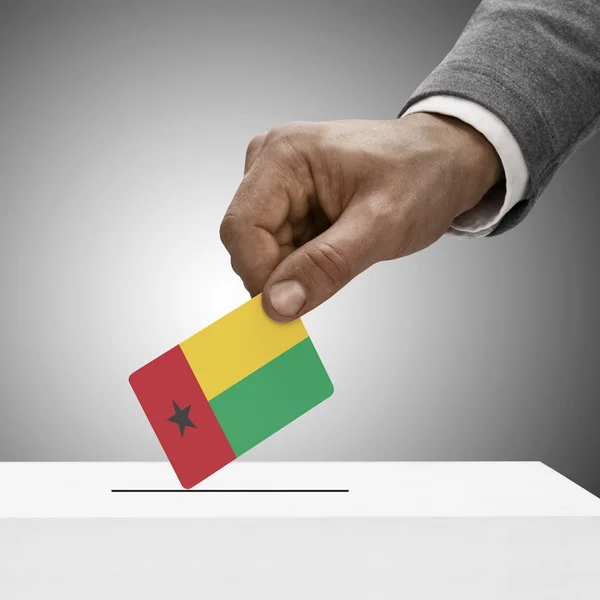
x=264, y=490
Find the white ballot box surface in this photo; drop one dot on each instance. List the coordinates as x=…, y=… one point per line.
x=297, y=530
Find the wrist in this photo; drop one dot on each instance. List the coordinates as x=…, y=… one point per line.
x=471, y=160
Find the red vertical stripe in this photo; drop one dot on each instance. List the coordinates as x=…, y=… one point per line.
x=202, y=449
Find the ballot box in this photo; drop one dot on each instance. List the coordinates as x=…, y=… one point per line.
x=298, y=530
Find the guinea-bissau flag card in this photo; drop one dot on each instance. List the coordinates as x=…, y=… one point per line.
x=229, y=387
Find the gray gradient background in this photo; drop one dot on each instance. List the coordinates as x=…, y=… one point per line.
x=123, y=128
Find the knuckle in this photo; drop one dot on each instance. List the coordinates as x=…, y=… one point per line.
x=282, y=132
x=287, y=136
x=228, y=229
x=285, y=147
x=330, y=261
x=254, y=146
x=276, y=134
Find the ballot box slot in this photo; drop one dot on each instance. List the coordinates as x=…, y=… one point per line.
x=235, y=491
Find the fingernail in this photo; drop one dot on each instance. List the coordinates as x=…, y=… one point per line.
x=287, y=297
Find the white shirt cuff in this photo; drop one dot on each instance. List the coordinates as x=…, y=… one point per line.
x=483, y=218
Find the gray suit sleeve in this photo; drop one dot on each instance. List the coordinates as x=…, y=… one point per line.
x=536, y=65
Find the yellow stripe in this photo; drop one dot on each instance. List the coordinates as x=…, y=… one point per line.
x=238, y=344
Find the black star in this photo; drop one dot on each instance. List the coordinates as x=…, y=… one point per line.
x=182, y=417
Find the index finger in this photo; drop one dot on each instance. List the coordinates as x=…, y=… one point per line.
x=254, y=229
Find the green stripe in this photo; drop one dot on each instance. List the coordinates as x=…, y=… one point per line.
x=270, y=398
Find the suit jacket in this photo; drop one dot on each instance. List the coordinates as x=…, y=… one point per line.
x=536, y=65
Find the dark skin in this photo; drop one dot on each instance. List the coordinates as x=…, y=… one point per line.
x=322, y=202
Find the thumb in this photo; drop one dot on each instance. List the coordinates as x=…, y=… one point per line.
x=321, y=267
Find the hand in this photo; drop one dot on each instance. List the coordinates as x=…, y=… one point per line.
x=322, y=202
